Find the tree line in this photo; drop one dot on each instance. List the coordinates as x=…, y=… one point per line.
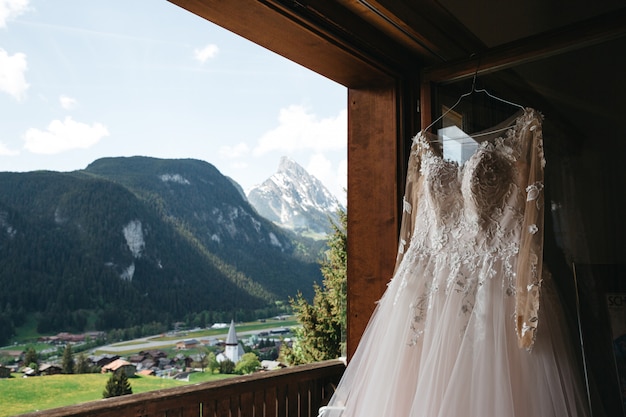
x=63, y=255
x=322, y=334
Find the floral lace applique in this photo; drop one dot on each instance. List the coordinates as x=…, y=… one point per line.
x=468, y=225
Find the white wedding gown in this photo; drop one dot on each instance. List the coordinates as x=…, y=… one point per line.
x=470, y=325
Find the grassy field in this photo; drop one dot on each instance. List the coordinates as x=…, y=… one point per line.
x=23, y=395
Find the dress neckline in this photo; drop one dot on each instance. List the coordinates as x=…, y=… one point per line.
x=491, y=136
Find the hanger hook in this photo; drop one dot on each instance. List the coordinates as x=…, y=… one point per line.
x=476, y=71
x=473, y=90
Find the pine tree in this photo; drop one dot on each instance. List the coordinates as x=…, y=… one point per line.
x=323, y=323
x=124, y=384
x=118, y=384
x=82, y=364
x=68, y=360
x=110, y=390
x=31, y=357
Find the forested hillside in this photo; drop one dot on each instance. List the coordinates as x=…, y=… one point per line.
x=133, y=240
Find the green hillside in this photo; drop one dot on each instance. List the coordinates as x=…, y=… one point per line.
x=129, y=241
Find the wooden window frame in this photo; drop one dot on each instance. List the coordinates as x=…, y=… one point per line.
x=383, y=52
x=376, y=99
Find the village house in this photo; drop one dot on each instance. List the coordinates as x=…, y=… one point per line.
x=16, y=355
x=135, y=359
x=146, y=372
x=154, y=354
x=28, y=371
x=49, y=369
x=150, y=360
x=5, y=372
x=187, y=344
x=120, y=365
x=103, y=360
x=164, y=363
x=65, y=337
x=141, y=362
x=267, y=365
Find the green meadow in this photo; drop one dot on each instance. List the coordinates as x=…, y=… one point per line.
x=23, y=395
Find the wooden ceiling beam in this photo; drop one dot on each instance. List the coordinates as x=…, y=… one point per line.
x=351, y=32
x=281, y=29
x=423, y=26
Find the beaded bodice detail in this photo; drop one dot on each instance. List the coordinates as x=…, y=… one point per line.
x=450, y=335
x=471, y=222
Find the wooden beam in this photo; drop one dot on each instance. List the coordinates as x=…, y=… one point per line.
x=374, y=125
x=299, y=33
x=569, y=38
x=426, y=109
x=424, y=26
x=373, y=218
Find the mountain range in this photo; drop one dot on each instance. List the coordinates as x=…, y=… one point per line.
x=296, y=200
x=132, y=240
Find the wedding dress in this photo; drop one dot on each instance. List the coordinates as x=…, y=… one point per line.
x=470, y=325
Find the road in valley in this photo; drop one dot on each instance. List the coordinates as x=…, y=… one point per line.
x=149, y=342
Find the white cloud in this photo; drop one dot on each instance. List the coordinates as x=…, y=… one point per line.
x=10, y=9
x=64, y=135
x=12, y=69
x=203, y=55
x=239, y=165
x=232, y=152
x=321, y=168
x=300, y=130
x=68, y=103
x=5, y=151
x=334, y=178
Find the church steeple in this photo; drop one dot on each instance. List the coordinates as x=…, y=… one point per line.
x=232, y=335
x=233, y=350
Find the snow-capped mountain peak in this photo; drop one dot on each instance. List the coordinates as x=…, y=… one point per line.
x=295, y=199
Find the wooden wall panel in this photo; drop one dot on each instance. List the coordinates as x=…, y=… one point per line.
x=372, y=202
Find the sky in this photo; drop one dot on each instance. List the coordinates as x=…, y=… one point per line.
x=82, y=80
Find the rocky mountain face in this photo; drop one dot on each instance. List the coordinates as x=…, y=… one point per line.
x=296, y=200
x=134, y=240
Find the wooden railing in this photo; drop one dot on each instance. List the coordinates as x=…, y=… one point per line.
x=291, y=392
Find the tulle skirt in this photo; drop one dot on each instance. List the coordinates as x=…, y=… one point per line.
x=456, y=362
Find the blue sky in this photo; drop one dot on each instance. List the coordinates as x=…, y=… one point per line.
x=81, y=80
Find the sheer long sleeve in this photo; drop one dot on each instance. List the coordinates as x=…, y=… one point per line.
x=444, y=339
x=410, y=199
x=530, y=259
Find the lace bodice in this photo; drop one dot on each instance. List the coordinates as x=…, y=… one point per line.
x=444, y=339
x=479, y=218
